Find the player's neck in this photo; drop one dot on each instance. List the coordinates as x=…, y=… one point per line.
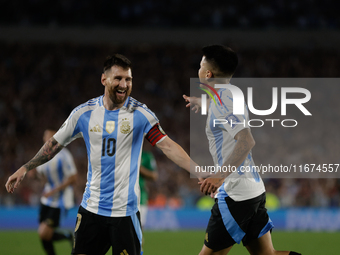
x=220, y=81
x=109, y=105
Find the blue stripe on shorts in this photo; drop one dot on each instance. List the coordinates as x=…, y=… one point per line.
x=229, y=222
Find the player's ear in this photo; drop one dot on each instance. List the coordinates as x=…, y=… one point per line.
x=103, y=79
x=208, y=75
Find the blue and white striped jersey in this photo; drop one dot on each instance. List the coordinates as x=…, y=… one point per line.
x=56, y=171
x=114, y=141
x=240, y=185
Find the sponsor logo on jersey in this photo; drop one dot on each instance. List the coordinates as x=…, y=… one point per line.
x=96, y=128
x=124, y=252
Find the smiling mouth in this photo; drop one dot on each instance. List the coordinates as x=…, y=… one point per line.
x=121, y=92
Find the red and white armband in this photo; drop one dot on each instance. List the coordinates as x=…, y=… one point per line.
x=155, y=134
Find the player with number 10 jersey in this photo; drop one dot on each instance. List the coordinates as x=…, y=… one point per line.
x=114, y=142
x=113, y=127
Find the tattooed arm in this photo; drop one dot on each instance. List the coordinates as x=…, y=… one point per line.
x=244, y=143
x=46, y=153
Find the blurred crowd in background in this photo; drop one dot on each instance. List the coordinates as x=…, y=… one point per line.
x=188, y=14
x=42, y=83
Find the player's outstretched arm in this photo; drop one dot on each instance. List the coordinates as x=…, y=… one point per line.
x=176, y=153
x=193, y=102
x=47, y=152
x=244, y=143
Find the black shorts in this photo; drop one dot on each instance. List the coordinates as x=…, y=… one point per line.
x=95, y=234
x=49, y=215
x=232, y=222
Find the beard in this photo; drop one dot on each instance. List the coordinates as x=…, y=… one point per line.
x=117, y=98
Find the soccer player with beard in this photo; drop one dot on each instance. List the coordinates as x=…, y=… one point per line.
x=113, y=127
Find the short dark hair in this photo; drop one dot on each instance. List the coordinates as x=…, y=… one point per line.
x=222, y=59
x=116, y=60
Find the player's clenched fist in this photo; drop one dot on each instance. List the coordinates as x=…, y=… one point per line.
x=210, y=185
x=15, y=179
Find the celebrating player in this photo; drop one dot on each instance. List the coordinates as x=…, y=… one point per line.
x=239, y=212
x=113, y=127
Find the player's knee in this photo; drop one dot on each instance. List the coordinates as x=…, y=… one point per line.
x=44, y=234
x=204, y=252
x=265, y=251
x=269, y=252
x=201, y=252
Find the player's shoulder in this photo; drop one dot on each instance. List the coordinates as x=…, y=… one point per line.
x=222, y=102
x=223, y=99
x=88, y=105
x=225, y=94
x=97, y=101
x=134, y=105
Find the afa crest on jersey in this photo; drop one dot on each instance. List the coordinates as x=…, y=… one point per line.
x=125, y=126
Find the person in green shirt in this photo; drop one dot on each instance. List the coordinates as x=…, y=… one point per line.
x=148, y=171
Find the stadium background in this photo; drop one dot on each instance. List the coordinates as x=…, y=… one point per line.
x=51, y=59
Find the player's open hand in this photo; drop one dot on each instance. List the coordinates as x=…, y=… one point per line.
x=195, y=102
x=210, y=185
x=15, y=179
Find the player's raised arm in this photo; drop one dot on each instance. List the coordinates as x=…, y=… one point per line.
x=47, y=152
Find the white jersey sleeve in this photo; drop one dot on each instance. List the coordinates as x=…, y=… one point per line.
x=150, y=118
x=71, y=129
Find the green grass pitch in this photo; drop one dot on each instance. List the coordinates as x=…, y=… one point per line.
x=181, y=242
